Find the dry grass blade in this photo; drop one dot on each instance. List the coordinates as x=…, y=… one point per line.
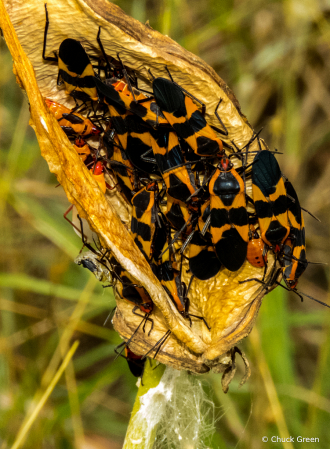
x=32, y=417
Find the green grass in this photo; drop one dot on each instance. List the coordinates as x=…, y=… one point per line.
x=275, y=56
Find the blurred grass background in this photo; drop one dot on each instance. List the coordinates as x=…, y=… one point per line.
x=275, y=55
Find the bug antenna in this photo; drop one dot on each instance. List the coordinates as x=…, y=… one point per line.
x=311, y=297
x=310, y=213
x=169, y=73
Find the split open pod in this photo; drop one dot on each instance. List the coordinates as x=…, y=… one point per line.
x=228, y=306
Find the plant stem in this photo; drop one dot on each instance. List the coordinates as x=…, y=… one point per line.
x=151, y=378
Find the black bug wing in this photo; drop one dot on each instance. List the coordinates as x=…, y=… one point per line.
x=231, y=249
x=110, y=93
x=205, y=264
x=169, y=96
x=266, y=172
x=293, y=206
x=74, y=56
x=135, y=149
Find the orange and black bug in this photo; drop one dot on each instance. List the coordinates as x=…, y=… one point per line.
x=120, y=165
x=166, y=150
x=256, y=249
x=72, y=123
x=117, y=93
x=228, y=218
x=270, y=200
x=294, y=252
x=134, y=136
x=133, y=293
x=144, y=218
x=180, y=183
x=75, y=68
x=76, y=71
x=186, y=119
x=170, y=278
x=136, y=363
x=178, y=214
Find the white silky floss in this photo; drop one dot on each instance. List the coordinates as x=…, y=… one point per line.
x=175, y=414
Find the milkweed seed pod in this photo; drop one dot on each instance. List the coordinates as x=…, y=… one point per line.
x=227, y=306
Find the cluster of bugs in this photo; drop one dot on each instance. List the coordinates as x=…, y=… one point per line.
x=186, y=186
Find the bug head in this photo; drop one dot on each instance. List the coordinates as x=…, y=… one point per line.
x=225, y=164
x=291, y=284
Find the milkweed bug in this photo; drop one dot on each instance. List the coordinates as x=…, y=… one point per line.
x=270, y=200
x=72, y=123
x=166, y=150
x=144, y=218
x=170, y=278
x=76, y=71
x=134, y=136
x=294, y=251
x=177, y=214
x=117, y=93
x=75, y=68
x=229, y=219
x=120, y=165
x=186, y=119
x=135, y=362
x=256, y=249
x=180, y=183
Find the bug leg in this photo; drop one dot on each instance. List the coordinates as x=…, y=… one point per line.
x=146, y=318
x=119, y=354
x=264, y=252
x=177, y=235
x=206, y=225
x=108, y=67
x=158, y=345
x=186, y=243
x=202, y=186
x=225, y=132
x=47, y=58
x=136, y=330
x=201, y=318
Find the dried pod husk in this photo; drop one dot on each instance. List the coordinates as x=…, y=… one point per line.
x=230, y=308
